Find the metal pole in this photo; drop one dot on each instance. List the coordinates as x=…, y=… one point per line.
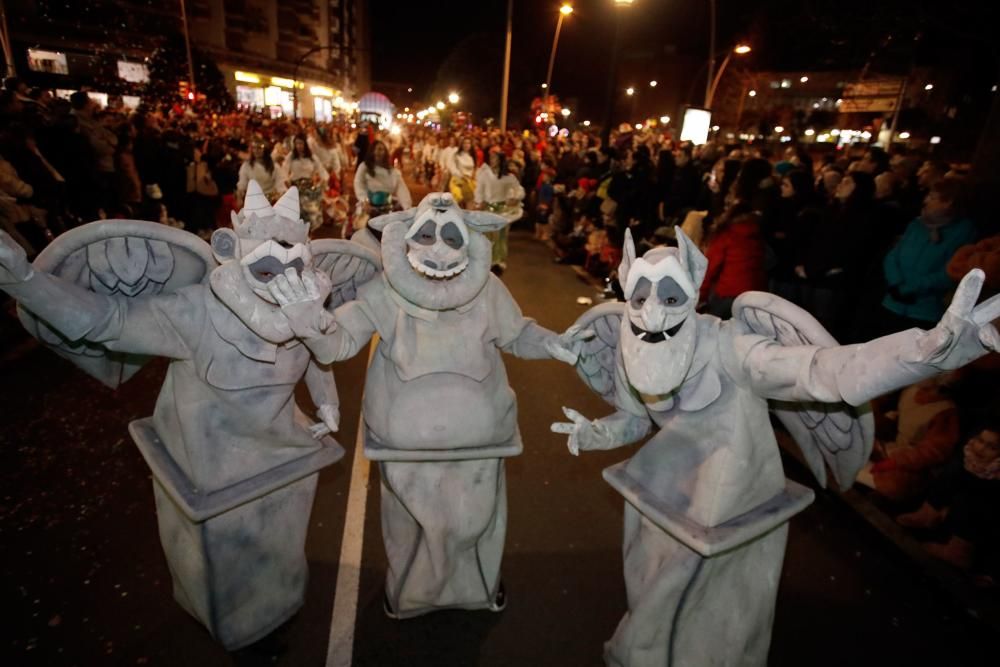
x=715, y=84
x=709, y=88
x=5, y=39
x=609, y=104
x=552, y=54
x=506, y=67
x=895, y=112
x=187, y=45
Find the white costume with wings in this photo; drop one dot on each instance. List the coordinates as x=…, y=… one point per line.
x=234, y=466
x=707, y=503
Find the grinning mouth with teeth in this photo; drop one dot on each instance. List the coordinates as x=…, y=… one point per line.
x=656, y=336
x=437, y=274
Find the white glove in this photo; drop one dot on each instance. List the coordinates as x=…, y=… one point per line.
x=301, y=299
x=14, y=265
x=965, y=329
x=566, y=347
x=583, y=433
x=330, y=421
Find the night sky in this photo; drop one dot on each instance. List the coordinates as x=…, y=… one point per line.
x=449, y=44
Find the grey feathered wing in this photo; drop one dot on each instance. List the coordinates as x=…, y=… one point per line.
x=596, y=364
x=349, y=266
x=837, y=433
x=129, y=259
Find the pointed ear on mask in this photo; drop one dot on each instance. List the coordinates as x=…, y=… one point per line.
x=382, y=221
x=484, y=221
x=628, y=258
x=693, y=261
x=225, y=245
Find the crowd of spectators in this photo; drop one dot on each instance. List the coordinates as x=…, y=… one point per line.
x=869, y=242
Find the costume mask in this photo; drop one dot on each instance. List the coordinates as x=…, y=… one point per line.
x=438, y=241
x=436, y=255
x=266, y=240
x=658, y=336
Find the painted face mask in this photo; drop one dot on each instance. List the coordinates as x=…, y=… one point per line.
x=271, y=239
x=659, y=333
x=437, y=244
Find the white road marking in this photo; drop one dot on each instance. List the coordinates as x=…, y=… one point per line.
x=340, y=648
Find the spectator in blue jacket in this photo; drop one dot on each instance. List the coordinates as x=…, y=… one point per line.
x=916, y=268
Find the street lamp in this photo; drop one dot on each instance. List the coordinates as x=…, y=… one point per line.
x=740, y=50
x=630, y=91
x=564, y=11
x=664, y=120
x=566, y=112
x=652, y=84
x=609, y=97
x=440, y=104
x=453, y=98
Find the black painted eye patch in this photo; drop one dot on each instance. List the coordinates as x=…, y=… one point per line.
x=268, y=268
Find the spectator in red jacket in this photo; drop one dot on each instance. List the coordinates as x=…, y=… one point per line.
x=736, y=255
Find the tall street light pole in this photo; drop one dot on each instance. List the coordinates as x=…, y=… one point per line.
x=506, y=67
x=8, y=54
x=709, y=92
x=564, y=11
x=187, y=45
x=609, y=96
x=740, y=50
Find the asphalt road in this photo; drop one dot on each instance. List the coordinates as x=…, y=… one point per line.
x=83, y=579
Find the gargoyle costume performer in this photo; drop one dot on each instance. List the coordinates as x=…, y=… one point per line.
x=439, y=414
x=234, y=470
x=707, y=504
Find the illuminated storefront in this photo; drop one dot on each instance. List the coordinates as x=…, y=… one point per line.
x=278, y=94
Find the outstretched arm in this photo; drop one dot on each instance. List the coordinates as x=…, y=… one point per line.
x=856, y=374
x=148, y=326
x=525, y=338
x=616, y=430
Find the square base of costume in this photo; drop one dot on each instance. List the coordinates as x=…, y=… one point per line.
x=237, y=555
x=690, y=599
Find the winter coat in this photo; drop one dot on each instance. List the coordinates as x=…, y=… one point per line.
x=735, y=260
x=916, y=269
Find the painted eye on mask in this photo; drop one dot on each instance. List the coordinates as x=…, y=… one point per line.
x=643, y=288
x=670, y=293
x=426, y=234
x=452, y=236
x=268, y=268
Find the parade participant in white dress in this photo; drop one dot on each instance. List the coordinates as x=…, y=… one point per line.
x=498, y=191
x=304, y=170
x=462, y=166
x=260, y=167
x=378, y=186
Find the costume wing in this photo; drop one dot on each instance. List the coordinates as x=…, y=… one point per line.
x=349, y=265
x=837, y=433
x=596, y=364
x=129, y=259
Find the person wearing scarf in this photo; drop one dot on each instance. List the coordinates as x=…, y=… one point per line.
x=916, y=268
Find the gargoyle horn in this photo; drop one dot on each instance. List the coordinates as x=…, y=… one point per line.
x=288, y=206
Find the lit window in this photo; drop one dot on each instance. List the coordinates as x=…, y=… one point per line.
x=133, y=72
x=52, y=62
